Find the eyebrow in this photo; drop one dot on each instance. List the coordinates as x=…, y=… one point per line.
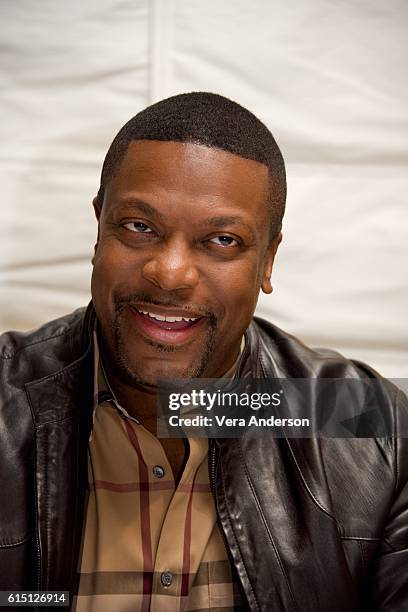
x=145, y=208
x=218, y=222
x=225, y=221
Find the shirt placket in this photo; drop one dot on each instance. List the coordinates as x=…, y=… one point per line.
x=173, y=556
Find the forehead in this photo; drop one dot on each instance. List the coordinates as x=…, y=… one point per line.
x=191, y=170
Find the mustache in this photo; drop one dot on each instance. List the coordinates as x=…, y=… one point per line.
x=120, y=303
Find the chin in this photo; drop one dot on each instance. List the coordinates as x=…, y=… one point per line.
x=136, y=376
x=160, y=362
x=148, y=371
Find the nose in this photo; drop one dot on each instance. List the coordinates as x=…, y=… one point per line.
x=171, y=267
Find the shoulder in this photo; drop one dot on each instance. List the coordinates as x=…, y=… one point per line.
x=34, y=354
x=284, y=355
x=348, y=474
x=281, y=355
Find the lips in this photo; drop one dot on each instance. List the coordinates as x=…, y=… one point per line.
x=166, y=326
x=168, y=322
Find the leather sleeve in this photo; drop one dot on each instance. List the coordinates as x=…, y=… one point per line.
x=389, y=576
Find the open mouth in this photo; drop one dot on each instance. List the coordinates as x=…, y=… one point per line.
x=171, y=326
x=170, y=322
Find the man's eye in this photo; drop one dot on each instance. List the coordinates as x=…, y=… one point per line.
x=138, y=227
x=224, y=241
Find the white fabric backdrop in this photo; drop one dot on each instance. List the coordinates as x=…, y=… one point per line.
x=327, y=77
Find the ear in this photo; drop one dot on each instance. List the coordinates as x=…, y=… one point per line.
x=97, y=210
x=266, y=285
x=97, y=207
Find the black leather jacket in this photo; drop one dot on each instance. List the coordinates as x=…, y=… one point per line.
x=311, y=524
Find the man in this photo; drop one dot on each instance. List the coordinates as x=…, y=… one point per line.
x=189, y=221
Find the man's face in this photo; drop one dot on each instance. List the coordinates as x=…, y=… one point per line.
x=183, y=251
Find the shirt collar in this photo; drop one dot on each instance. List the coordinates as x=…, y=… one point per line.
x=104, y=393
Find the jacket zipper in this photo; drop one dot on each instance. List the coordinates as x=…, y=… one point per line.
x=37, y=539
x=212, y=464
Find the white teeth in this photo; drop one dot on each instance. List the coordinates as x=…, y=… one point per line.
x=157, y=317
x=169, y=319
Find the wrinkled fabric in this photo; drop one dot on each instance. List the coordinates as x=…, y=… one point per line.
x=311, y=524
x=326, y=77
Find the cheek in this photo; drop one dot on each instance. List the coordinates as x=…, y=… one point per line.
x=110, y=270
x=237, y=288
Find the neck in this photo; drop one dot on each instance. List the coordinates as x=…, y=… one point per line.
x=139, y=401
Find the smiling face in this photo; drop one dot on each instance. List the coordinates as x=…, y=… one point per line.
x=182, y=253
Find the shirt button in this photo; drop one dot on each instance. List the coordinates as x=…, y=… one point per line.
x=166, y=578
x=158, y=471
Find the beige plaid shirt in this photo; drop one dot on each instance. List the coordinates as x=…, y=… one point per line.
x=148, y=544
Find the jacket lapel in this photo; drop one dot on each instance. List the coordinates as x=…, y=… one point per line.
x=61, y=405
x=284, y=541
x=285, y=544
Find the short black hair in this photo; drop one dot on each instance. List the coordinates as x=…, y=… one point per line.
x=211, y=120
